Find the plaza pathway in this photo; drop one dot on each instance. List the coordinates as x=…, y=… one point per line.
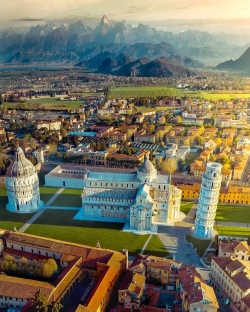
x=173, y=238
x=41, y=211
x=146, y=244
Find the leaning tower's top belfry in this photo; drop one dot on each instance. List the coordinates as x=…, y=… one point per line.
x=22, y=185
x=208, y=200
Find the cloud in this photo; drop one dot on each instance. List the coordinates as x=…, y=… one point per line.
x=28, y=19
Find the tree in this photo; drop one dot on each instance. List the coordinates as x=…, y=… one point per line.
x=169, y=165
x=64, y=132
x=47, y=270
x=52, y=263
x=186, y=142
x=41, y=304
x=178, y=119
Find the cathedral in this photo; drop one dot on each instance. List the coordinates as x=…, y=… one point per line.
x=138, y=199
x=22, y=185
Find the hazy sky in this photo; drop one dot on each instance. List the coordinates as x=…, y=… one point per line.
x=129, y=9
x=206, y=15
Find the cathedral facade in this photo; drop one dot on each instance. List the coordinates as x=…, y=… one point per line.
x=22, y=185
x=139, y=199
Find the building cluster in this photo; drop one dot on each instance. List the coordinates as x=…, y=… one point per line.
x=76, y=262
x=230, y=273
x=148, y=284
x=183, y=287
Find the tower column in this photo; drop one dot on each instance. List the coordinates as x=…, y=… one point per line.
x=208, y=200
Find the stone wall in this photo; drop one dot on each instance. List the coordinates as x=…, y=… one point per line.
x=64, y=182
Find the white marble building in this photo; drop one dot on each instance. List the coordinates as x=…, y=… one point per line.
x=139, y=199
x=208, y=200
x=22, y=185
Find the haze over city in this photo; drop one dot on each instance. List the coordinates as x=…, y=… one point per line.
x=173, y=15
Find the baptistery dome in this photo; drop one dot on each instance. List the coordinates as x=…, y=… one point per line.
x=22, y=185
x=20, y=166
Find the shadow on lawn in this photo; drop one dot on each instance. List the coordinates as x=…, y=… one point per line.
x=65, y=218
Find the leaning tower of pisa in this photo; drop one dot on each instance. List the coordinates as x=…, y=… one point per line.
x=208, y=200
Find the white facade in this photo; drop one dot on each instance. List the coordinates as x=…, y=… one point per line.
x=208, y=200
x=139, y=198
x=22, y=185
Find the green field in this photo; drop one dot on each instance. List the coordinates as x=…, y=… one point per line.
x=155, y=247
x=47, y=192
x=59, y=224
x=155, y=91
x=49, y=103
x=233, y=213
x=69, y=198
x=8, y=219
x=200, y=244
x=148, y=91
x=186, y=207
x=216, y=96
x=232, y=231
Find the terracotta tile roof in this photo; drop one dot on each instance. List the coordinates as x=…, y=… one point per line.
x=226, y=247
x=246, y=300
x=101, y=288
x=160, y=264
x=22, y=288
x=242, y=281
x=234, y=265
x=222, y=262
x=153, y=309
x=126, y=280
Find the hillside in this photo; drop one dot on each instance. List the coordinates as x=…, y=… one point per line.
x=144, y=67
x=241, y=64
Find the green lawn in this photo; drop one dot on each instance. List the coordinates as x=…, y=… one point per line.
x=155, y=247
x=186, y=206
x=231, y=213
x=69, y=198
x=199, y=244
x=47, y=192
x=59, y=224
x=154, y=91
x=144, y=91
x=9, y=219
x=233, y=231
x=216, y=96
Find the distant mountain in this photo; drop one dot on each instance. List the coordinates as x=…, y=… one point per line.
x=241, y=64
x=118, y=37
x=161, y=67
x=138, y=51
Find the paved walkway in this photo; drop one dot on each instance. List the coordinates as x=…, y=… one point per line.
x=146, y=244
x=41, y=211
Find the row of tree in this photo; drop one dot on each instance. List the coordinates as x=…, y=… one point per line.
x=41, y=269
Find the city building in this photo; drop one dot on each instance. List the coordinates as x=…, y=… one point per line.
x=22, y=185
x=231, y=278
x=208, y=200
x=234, y=249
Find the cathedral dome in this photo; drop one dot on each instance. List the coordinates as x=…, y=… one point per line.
x=147, y=167
x=20, y=166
